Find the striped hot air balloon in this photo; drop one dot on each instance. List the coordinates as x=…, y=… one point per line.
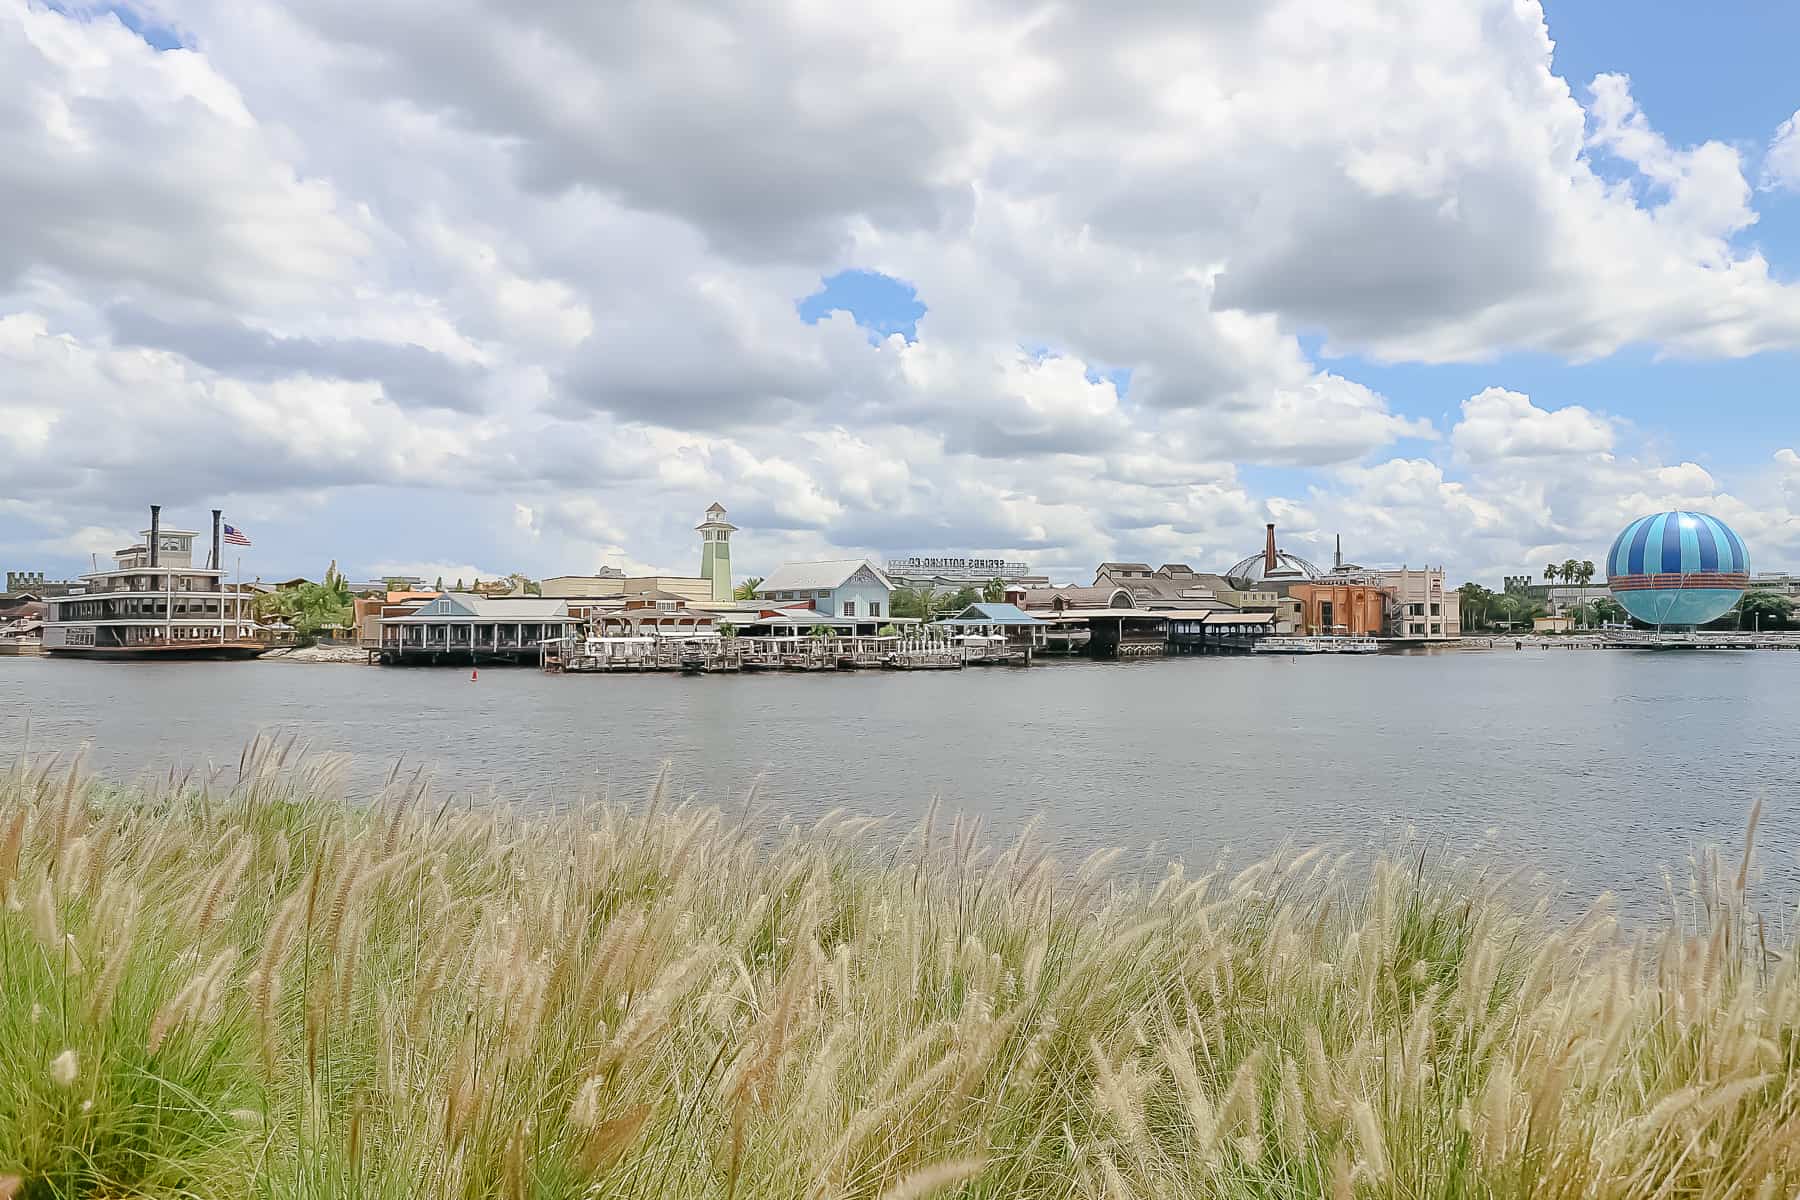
x=1677, y=568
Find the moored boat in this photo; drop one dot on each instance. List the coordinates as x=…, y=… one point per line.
x=154, y=604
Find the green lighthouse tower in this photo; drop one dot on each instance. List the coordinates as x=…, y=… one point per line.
x=715, y=551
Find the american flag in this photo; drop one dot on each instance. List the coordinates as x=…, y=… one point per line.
x=236, y=536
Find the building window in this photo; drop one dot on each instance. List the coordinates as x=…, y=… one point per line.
x=849, y=608
x=1434, y=610
x=874, y=608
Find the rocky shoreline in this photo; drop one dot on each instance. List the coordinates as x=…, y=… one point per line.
x=318, y=654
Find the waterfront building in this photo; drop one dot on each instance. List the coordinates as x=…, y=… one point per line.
x=840, y=587
x=1056, y=601
x=955, y=572
x=1555, y=623
x=1425, y=607
x=155, y=603
x=1171, y=586
x=463, y=628
x=1018, y=627
x=1341, y=606
x=367, y=612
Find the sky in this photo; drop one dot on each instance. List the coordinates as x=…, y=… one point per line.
x=464, y=287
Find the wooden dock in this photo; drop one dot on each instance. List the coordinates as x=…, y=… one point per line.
x=707, y=656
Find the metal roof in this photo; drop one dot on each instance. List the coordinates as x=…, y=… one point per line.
x=1075, y=616
x=817, y=576
x=1234, y=617
x=992, y=614
x=465, y=606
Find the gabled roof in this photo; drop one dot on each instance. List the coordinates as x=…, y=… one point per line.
x=818, y=576
x=1040, y=599
x=993, y=614
x=1123, y=568
x=488, y=608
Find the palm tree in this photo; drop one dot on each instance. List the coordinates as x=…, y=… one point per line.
x=1476, y=605
x=1551, y=571
x=995, y=591
x=747, y=589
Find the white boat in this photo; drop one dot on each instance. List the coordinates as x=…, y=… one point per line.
x=155, y=603
x=1318, y=645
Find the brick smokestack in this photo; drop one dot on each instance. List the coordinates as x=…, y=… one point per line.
x=217, y=513
x=155, y=532
x=1269, y=551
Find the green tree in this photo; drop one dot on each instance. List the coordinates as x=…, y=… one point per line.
x=1608, y=611
x=1476, y=605
x=956, y=601
x=1551, y=571
x=995, y=591
x=727, y=630
x=311, y=608
x=888, y=631
x=440, y=583
x=747, y=589
x=919, y=601
x=1764, y=610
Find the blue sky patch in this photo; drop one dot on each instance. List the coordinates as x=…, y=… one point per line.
x=156, y=36
x=880, y=303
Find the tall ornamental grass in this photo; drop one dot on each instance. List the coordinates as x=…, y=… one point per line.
x=265, y=991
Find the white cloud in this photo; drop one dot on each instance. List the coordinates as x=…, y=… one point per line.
x=1498, y=424
x=539, y=265
x=1781, y=165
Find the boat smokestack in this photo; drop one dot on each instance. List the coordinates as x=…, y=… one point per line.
x=1337, y=558
x=217, y=514
x=155, y=531
x=1269, y=551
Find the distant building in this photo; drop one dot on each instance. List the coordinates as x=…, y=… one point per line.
x=715, y=551
x=1341, y=607
x=369, y=610
x=1273, y=565
x=1170, y=586
x=34, y=583
x=1783, y=583
x=841, y=587
x=1555, y=623
x=1017, y=626
x=1070, y=599
x=956, y=572
x=1426, y=608
x=463, y=628
x=589, y=587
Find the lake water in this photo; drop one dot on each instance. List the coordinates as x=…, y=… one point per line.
x=1595, y=766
